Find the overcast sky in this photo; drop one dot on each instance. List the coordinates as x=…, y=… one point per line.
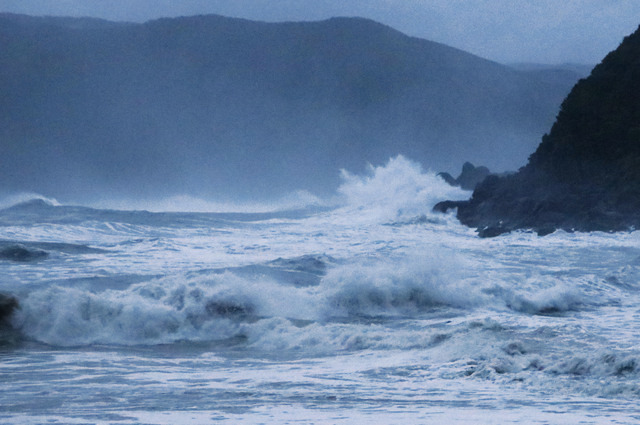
x=543, y=31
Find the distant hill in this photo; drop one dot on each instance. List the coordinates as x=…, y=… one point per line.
x=585, y=175
x=215, y=106
x=571, y=70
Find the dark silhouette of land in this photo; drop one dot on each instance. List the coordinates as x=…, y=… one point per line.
x=585, y=175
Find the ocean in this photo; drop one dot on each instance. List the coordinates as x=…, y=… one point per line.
x=366, y=308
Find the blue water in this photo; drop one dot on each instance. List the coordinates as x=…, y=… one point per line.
x=365, y=309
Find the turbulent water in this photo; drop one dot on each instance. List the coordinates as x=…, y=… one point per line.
x=373, y=310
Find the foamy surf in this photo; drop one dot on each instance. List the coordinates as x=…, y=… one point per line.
x=371, y=303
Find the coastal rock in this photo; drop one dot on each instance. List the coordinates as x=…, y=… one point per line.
x=469, y=178
x=449, y=179
x=585, y=175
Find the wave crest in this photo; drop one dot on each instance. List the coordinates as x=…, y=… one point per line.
x=398, y=190
x=26, y=198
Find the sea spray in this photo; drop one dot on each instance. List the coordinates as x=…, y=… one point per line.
x=11, y=200
x=400, y=286
x=398, y=190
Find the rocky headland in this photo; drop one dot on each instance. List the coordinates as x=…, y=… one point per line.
x=585, y=175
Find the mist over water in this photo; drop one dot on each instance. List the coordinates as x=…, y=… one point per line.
x=400, y=185
x=366, y=303
x=187, y=203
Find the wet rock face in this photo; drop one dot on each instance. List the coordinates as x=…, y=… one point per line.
x=585, y=175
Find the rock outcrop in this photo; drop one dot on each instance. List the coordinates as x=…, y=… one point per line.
x=585, y=175
x=470, y=177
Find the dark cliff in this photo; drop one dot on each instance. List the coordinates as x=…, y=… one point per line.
x=585, y=175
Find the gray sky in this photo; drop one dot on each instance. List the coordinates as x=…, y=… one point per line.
x=544, y=31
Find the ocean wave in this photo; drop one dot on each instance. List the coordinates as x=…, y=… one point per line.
x=26, y=200
x=403, y=286
x=30, y=206
x=215, y=305
x=395, y=192
x=20, y=253
x=555, y=298
x=165, y=310
x=222, y=304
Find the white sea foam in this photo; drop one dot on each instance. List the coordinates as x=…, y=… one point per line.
x=399, y=190
x=376, y=302
x=398, y=286
x=219, y=305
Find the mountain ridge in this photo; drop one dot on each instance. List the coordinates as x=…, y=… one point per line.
x=207, y=105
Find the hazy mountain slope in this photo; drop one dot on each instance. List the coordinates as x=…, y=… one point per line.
x=585, y=175
x=216, y=106
x=570, y=70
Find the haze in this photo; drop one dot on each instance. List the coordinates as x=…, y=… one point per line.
x=507, y=31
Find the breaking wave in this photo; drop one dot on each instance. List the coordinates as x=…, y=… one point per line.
x=375, y=271
x=398, y=190
x=277, y=299
x=16, y=199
